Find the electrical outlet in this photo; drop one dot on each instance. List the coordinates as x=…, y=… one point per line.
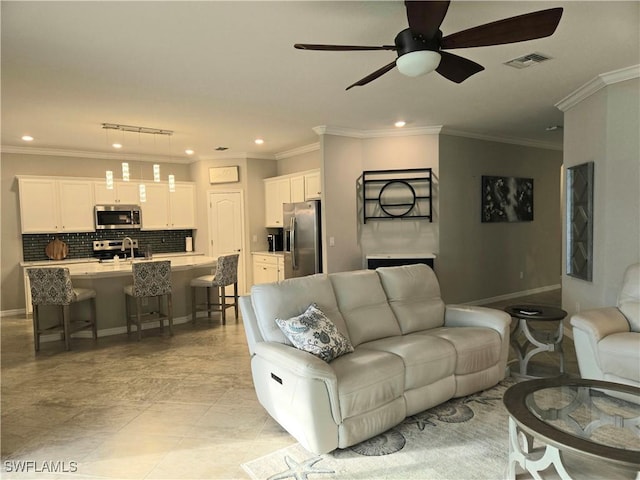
x=255, y=238
x=332, y=241
x=521, y=275
x=577, y=307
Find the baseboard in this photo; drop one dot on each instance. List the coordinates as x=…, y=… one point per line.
x=509, y=296
x=12, y=313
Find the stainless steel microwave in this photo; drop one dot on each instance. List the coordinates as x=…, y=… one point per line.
x=115, y=217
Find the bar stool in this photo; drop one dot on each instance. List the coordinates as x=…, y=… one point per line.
x=226, y=274
x=150, y=279
x=52, y=286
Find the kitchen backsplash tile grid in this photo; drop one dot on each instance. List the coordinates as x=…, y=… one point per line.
x=81, y=244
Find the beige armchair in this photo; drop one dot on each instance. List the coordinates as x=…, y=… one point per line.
x=607, y=339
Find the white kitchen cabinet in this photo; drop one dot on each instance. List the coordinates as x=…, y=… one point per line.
x=125, y=193
x=50, y=205
x=182, y=207
x=297, y=185
x=277, y=191
x=155, y=211
x=38, y=205
x=267, y=268
x=280, y=268
x=76, y=206
x=312, y=186
x=165, y=210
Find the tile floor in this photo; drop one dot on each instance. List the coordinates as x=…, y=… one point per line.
x=166, y=407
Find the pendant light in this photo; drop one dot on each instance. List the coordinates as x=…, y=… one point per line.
x=171, y=177
x=108, y=174
x=126, y=175
x=125, y=171
x=142, y=192
x=109, y=179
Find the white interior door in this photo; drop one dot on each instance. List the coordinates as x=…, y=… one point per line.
x=226, y=220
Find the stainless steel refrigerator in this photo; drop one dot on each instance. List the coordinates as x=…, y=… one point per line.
x=303, y=239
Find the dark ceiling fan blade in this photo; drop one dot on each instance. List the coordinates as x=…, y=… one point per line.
x=425, y=18
x=373, y=76
x=457, y=69
x=509, y=30
x=340, y=48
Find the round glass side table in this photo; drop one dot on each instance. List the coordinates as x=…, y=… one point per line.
x=582, y=429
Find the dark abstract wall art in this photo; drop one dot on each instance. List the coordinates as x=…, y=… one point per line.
x=507, y=199
x=580, y=221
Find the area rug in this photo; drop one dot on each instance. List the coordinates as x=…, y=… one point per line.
x=465, y=438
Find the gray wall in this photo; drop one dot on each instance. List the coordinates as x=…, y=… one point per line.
x=484, y=260
x=299, y=163
x=401, y=236
x=251, y=172
x=341, y=168
x=604, y=129
x=12, y=164
x=344, y=160
x=474, y=261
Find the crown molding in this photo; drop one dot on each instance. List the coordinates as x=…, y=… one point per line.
x=395, y=132
x=596, y=84
x=54, y=152
x=298, y=151
x=129, y=157
x=237, y=156
x=500, y=139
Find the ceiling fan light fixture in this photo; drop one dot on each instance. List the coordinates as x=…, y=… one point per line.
x=421, y=62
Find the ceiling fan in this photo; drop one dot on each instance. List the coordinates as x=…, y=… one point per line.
x=420, y=47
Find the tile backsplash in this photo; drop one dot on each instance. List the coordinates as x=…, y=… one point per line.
x=81, y=244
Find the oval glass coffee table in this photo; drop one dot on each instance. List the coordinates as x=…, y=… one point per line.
x=527, y=341
x=586, y=419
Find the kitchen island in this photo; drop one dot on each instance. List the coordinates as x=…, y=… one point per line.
x=109, y=278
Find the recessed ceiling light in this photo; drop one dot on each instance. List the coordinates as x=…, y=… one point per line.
x=188, y=151
x=400, y=123
x=27, y=138
x=117, y=145
x=259, y=141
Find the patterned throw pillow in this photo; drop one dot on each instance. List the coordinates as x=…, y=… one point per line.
x=313, y=332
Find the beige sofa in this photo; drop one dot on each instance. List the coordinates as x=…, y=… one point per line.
x=607, y=340
x=411, y=352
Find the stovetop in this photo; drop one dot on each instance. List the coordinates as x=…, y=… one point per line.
x=108, y=249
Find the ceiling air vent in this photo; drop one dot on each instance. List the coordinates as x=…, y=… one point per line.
x=527, y=60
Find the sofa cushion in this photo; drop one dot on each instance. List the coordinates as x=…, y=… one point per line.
x=364, y=306
x=367, y=379
x=414, y=295
x=619, y=354
x=629, y=298
x=292, y=297
x=313, y=332
x=477, y=348
x=426, y=359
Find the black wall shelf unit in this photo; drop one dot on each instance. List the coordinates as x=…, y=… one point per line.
x=397, y=194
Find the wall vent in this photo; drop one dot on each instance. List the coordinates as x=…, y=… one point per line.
x=528, y=60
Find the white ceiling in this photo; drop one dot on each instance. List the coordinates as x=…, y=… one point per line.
x=224, y=73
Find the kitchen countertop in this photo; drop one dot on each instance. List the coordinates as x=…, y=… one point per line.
x=274, y=254
x=44, y=263
x=95, y=269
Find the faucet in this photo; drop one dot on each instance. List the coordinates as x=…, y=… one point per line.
x=123, y=247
